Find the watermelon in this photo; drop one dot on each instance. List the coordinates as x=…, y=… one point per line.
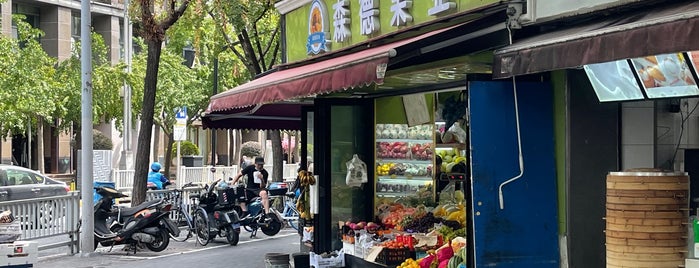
x=454, y=262
x=443, y=264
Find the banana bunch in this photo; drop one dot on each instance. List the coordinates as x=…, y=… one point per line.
x=303, y=203
x=306, y=178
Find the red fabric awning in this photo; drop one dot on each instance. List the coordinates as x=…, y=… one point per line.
x=273, y=116
x=670, y=28
x=335, y=74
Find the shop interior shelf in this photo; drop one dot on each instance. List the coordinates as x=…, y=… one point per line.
x=460, y=146
x=420, y=179
x=406, y=161
x=404, y=140
x=394, y=194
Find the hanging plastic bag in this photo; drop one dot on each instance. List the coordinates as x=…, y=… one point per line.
x=356, y=172
x=455, y=134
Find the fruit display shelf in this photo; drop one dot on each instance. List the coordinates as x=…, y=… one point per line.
x=420, y=179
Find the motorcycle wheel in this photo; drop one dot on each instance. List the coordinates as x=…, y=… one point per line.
x=232, y=235
x=273, y=227
x=162, y=239
x=201, y=227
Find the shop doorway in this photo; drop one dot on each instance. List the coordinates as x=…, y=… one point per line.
x=347, y=122
x=523, y=233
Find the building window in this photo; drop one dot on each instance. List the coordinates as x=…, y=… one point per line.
x=121, y=39
x=74, y=32
x=31, y=15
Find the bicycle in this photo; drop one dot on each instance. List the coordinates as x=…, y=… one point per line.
x=289, y=213
x=194, y=217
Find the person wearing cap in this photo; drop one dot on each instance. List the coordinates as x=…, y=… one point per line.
x=256, y=184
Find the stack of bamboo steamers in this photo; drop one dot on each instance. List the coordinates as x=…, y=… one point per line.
x=647, y=212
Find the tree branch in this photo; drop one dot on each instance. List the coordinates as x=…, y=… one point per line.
x=271, y=41
x=231, y=44
x=174, y=15
x=261, y=55
x=274, y=56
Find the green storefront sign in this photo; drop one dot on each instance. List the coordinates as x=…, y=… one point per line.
x=327, y=25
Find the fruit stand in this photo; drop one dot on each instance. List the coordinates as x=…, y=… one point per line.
x=420, y=208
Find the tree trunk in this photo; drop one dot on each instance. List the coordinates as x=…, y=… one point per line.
x=156, y=143
x=143, y=151
x=168, y=153
x=297, y=147
x=277, y=155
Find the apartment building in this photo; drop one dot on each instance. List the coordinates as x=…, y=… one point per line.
x=60, y=21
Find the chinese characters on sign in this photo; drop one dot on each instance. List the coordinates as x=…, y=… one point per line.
x=400, y=12
x=341, y=21
x=440, y=7
x=369, y=16
x=319, y=24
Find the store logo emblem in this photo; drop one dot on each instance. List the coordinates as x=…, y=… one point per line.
x=318, y=27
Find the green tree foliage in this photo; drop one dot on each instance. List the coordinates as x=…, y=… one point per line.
x=107, y=84
x=27, y=88
x=101, y=141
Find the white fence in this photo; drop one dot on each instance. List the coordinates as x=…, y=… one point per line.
x=123, y=179
x=48, y=217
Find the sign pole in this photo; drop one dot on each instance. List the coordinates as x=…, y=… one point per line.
x=180, y=134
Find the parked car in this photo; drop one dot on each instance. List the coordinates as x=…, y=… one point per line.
x=22, y=183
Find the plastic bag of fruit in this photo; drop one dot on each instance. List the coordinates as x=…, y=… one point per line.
x=356, y=172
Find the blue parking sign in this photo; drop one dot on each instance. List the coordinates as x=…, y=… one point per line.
x=181, y=113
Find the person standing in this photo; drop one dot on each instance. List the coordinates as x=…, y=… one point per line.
x=256, y=184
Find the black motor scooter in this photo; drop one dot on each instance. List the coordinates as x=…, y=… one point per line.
x=146, y=225
x=223, y=220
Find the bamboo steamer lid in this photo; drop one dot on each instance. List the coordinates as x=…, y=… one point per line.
x=646, y=216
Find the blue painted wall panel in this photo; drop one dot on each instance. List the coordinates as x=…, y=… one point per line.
x=525, y=233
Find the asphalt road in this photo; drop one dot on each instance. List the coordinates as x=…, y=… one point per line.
x=249, y=253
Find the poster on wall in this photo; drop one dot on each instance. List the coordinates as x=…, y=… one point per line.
x=665, y=75
x=613, y=81
x=416, y=109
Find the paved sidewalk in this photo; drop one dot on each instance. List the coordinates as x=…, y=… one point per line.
x=106, y=257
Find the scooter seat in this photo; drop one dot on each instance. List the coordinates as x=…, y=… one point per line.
x=128, y=212
x=254, y=199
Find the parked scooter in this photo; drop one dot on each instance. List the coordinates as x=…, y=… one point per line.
x=223, y=220
x=146, y=225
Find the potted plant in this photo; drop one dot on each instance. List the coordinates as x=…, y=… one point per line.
x=190, y=154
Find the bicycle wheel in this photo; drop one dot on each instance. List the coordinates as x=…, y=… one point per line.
x=292, y=216
x=201, y=226
x=178, y=217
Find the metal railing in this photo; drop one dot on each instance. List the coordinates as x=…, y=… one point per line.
x=123, y=179
x=203, y=175
x=170, y=195
x=48, y=217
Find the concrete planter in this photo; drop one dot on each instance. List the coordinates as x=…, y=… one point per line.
x=193, y=161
